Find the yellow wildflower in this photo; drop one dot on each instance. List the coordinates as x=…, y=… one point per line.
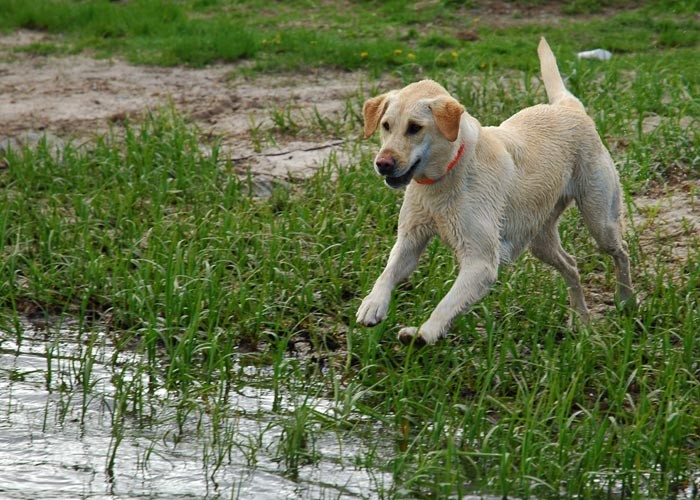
x=411, y=55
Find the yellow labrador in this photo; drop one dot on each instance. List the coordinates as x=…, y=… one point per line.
x=491, y=192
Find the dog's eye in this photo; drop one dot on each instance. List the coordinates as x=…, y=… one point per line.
x=413, y=128
x=386, y=126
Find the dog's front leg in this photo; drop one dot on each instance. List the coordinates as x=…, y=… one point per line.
x=403, y=259
x=474, y=280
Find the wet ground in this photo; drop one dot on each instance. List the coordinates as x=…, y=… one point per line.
x=59, y=423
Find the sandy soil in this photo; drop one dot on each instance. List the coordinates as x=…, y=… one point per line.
x=77, y=96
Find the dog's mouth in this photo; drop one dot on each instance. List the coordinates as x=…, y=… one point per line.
x=402, y=180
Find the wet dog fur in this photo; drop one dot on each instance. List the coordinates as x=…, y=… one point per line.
x=490, y=193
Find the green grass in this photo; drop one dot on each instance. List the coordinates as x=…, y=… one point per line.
x=168, y=243
x=149, y=235
x=378, y=36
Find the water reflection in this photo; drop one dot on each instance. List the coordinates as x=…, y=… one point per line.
x=66, y=432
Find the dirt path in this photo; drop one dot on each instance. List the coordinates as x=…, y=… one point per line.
x=76, y=96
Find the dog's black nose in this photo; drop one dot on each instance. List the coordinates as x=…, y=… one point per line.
x=385, y=164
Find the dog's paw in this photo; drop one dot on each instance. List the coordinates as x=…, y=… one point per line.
x=409, y=334
x=417, y=336
x=372, y=311
x=628, y=304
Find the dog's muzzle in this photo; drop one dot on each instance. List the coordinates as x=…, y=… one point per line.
x=400, y=181
x=386, y=166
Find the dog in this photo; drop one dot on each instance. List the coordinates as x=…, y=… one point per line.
x=490, y=193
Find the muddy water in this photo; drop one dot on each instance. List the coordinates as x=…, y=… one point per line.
x=60, y=426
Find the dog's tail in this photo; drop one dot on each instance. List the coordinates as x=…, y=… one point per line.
x=553, y=83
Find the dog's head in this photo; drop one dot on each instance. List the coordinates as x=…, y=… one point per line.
x=419, y=125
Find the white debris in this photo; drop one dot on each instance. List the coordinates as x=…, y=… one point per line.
x=600, y=54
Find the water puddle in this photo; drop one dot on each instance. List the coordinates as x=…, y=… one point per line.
x=77, y=421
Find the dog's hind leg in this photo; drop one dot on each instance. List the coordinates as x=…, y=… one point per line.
x=546, y=246
x=600, y=203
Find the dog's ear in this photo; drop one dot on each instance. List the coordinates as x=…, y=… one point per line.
x=447, y=113
x=373, y=110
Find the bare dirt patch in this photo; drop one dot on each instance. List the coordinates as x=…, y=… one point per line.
x=75, y=97
x=668, y=223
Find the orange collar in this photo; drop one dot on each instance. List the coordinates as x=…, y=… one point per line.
x=449, y=167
